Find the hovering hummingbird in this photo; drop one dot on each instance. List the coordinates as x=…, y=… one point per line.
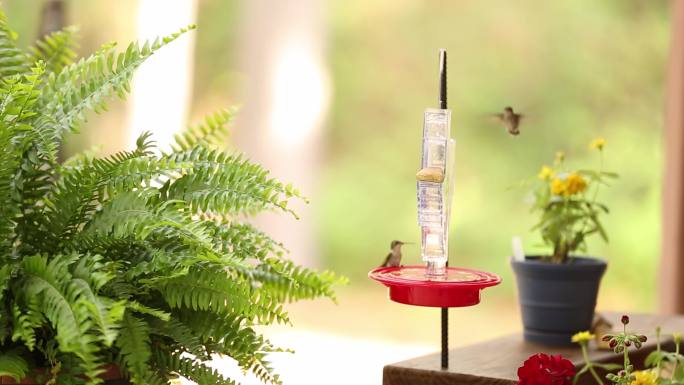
x=510, y=120
x=393, y=259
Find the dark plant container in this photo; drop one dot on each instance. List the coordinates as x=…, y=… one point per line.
x=112, y=376
x=557, y=300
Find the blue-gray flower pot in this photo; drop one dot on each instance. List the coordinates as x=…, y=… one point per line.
x=557, y=300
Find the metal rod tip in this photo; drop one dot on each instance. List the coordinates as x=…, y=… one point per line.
x=442, y=78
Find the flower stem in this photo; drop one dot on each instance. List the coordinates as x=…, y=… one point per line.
x=585, y=356
x=595, y=197
x=625, y=350
x=674, y=367
x=658, y=350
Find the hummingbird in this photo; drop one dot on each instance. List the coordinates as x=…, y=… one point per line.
x=393, y=259
x=510, y=120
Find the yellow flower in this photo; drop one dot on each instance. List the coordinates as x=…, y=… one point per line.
x=568, y=185
x=677, y=337
x=575, y=184
x=645, y=377
x=597, y=143
x=582, y=337
x=558, y=187
x=546, y=173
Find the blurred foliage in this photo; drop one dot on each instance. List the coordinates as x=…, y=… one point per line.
x=577, y=69
x=216, y=81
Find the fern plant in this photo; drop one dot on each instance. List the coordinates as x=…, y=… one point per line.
x=141, y=259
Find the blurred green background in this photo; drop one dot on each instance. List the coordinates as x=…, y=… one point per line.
x=577, y=69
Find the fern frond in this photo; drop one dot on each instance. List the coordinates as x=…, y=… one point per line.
x=89, y=275
x=244, y=241
x=9, y=163
x=23, y=175
x=12, y=364
x=146, y=310
x=94, y=270
x=87, y=84
x=283, y=279
x=226, y=184
x=62, y=303
x=74, y=198
x=5, y=327
x=5, y=275
x=57, y=49
x=130, y=214
x=219, y=292
x=20, y=93
x=290, y=282
x=205, y=290
x=229, y=335
x=191, y=369
x=12, y=59
x=134, y=345
x=23, y=325
x=208, y=133
x=177, y=334
x=104, y=313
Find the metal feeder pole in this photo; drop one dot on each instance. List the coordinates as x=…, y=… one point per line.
x=443, y=105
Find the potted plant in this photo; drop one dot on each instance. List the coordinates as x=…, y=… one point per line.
x=558, y=290
x=135, y=267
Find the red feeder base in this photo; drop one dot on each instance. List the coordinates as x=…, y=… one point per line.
x=409, y=285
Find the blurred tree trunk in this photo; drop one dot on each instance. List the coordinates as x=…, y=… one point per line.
x=672, y=263
x=285, y=96
x=162, y=86
x=52, y=17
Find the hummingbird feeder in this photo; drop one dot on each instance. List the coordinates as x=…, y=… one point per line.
x=436, y=284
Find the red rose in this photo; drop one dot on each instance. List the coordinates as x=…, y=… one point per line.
x=542, y=369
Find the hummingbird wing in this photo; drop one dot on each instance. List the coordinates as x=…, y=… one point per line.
x=387, y=258
x=499, y=117
x=493, y=120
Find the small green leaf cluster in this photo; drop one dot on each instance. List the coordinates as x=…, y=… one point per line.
x=567, y=205
x=664, y=362
x=141, y=259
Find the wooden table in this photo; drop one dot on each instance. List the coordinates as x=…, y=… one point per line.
x=495, y=362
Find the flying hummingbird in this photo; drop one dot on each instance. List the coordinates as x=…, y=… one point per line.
x=510, y=120
x=393, y=259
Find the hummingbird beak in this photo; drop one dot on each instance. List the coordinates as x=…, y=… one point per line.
x=408, y=243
